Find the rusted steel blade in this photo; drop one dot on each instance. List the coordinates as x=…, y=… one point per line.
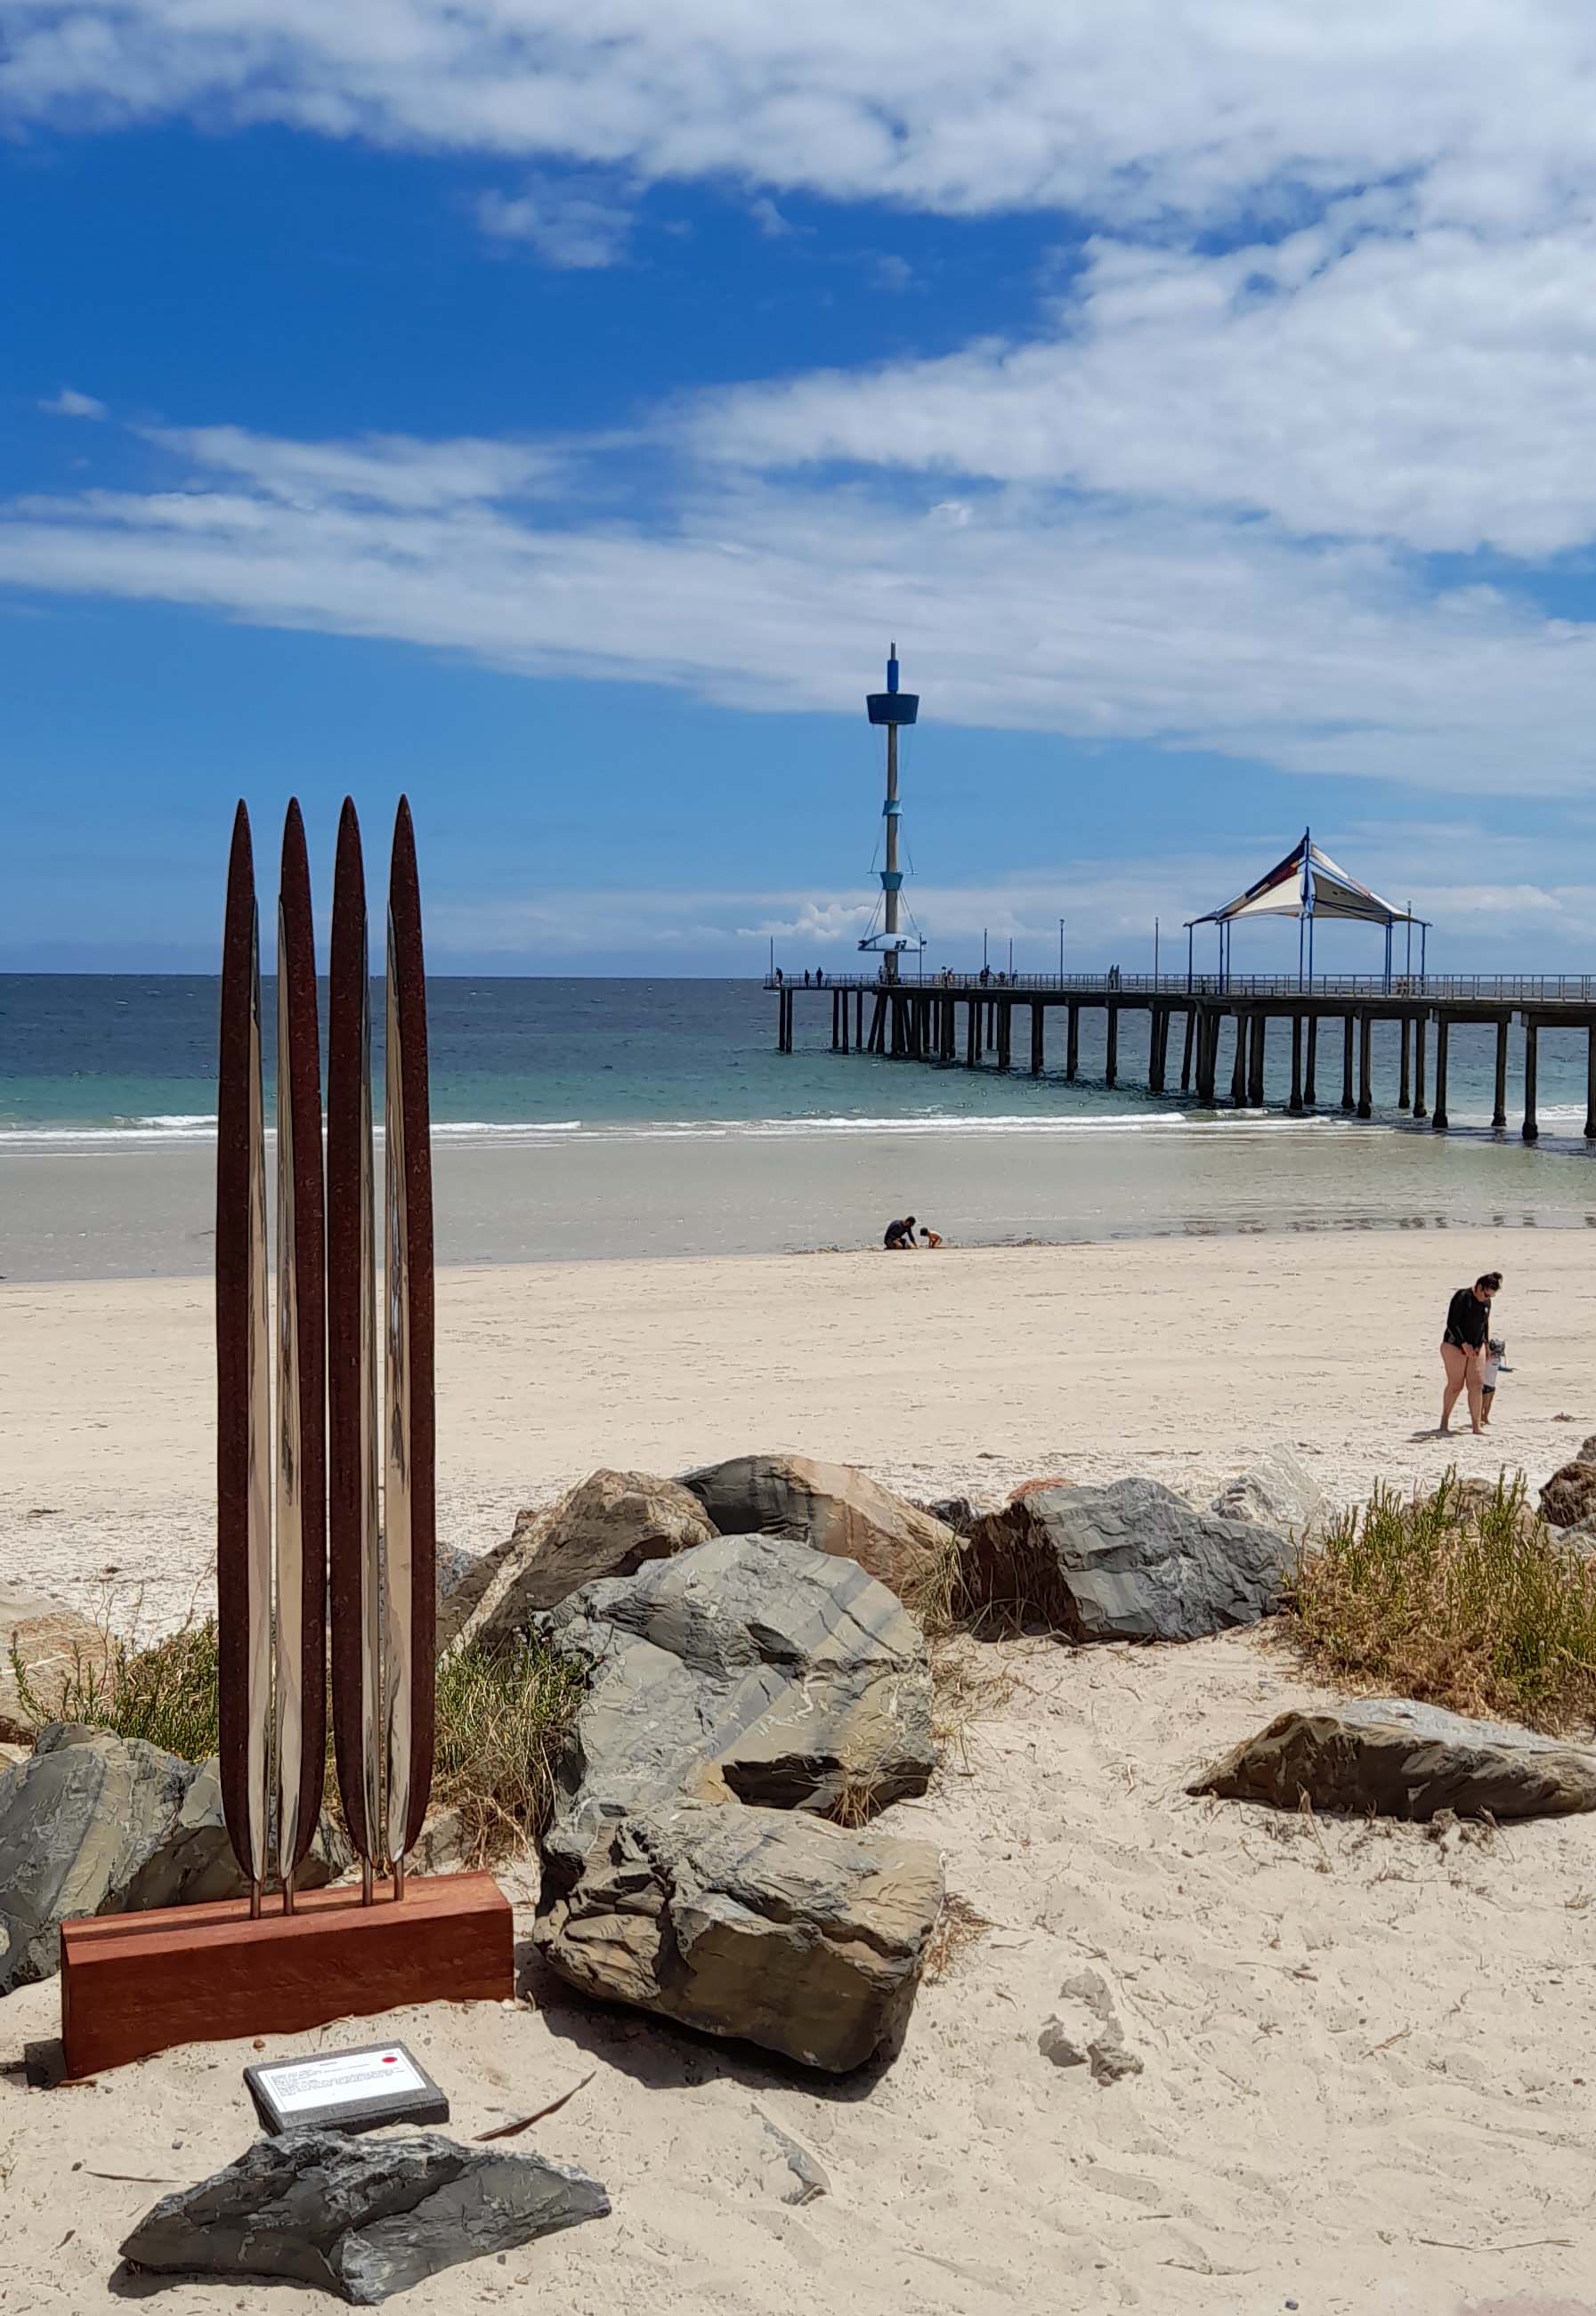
x=408, y=1480
x=301, y=1556
x=244, y=1381
x=353, y=1536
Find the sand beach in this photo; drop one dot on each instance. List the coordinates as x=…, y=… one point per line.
x=961, y=1372
x=1366, y=2053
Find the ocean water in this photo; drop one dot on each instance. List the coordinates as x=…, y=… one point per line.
x=586, y=1116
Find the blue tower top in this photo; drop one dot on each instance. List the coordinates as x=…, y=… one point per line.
x=891, y=706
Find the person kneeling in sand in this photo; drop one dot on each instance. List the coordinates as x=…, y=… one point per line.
x=900, y=1236
x=1463, y=1347
x=930, y=1237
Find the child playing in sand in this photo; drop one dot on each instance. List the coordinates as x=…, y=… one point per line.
x=1495, y=1364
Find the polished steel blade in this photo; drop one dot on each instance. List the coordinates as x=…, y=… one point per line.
x=301, y=1370
x=355, y=1540
x=243, y=1382
x=408, y=1482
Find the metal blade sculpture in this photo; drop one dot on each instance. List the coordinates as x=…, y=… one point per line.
x=301, y=1557
x=354, y=1534
x=329, y=1438
x=243, y=1384
x=407, y=1494
x=382, y=1575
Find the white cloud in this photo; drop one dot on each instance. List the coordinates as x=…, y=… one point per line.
x=70, y=404
x=769, y=221
x=1041, y=612
x=1433, y=388
x=386, y=470
x=1118, y=108
x=578, y=230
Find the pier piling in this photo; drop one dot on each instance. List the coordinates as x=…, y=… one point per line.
x=1531, y=1064
x=1438, y=1122
x=1365, y=1071
x=1418, y=1065
x=1310, y=1091
x=1186, y=1050
x=1347, y=1101
x=1499, y=1110
x=1404, y=1064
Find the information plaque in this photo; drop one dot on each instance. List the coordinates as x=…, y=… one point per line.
x=346, y=2090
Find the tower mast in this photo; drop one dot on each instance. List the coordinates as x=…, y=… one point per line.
x=892, y=709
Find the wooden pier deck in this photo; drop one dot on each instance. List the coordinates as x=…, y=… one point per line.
x=920, y=1021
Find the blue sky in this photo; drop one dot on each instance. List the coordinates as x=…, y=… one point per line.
x=556, y=419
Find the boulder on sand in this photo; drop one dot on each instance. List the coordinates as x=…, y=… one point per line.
x=52, y=1643
x=830, y=1507
x=748, y=1669
x=1399, y=1759
x=1129, y=1561
x=610, y=1526
x=1277, y=1492
x=1570, y=1494
x=777, y=1929
x=361, y=2217
x=96, y=1824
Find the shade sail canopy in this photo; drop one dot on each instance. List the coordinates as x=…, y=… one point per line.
x=1308, y=883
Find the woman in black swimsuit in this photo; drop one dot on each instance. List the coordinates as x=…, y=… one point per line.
x=1463, y=1346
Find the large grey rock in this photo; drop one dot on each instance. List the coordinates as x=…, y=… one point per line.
x=53, y=1644
x=777, y=1929
x=1129, y=1562
x=612, y=1525
x=463, y=1580
x=1401, y=1760
x=363, y=2217
x=830, y=1507
x=1569, y=1495
x=748, y=1669
x=96, y=1824
x=1277, y=1492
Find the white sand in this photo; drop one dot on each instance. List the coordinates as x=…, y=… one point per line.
x=1369, y=2057
x=1367, y=2069
x=957, y=1371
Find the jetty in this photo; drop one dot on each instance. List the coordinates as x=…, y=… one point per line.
x=1222, y=1019
x=1222, y=1033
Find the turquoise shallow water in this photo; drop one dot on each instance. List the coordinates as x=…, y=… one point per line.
x=584, y=1118
x=125, y=1056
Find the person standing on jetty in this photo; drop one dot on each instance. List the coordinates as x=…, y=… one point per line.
x=1463, y=1346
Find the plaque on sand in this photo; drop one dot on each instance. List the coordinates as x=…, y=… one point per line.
x=345, y=2091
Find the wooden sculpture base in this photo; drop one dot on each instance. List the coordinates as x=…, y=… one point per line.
x=135, y=1983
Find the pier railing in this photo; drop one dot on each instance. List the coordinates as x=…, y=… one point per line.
x=1488, y=988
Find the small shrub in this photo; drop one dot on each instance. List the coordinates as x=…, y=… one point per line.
x=502, y=1717
x=1460, y=1601
x=164, y=1694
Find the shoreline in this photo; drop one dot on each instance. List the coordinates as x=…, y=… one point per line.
x=93, y=1215
x=1184, y=1359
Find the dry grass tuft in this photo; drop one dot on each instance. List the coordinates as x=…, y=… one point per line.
x=959, y=1928
x=502, y=1717
x=1470, y=1603
x=855, y=1804
x=935, y=1594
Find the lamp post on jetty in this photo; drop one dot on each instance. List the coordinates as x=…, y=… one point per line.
x=894, y=709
